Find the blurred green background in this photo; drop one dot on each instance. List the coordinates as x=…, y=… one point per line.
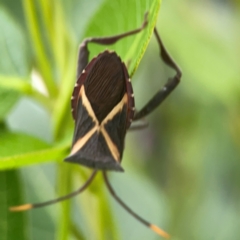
x=181, y=173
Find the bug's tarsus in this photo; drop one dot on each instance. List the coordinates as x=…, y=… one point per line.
x=158, y=98
x=28, y=206
x=138, y=126
x=153, y=227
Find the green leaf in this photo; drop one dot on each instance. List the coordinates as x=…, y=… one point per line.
x=10, y=90
x=12, y=225
x=17, y=150
x=13, y=59
x=15, y=8
x=8, y=98
x=12, y=47
x=129, y=16
x=85, y=9
x=37, y=39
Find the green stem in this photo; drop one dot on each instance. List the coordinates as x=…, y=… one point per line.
x=24, y=86
x=40, y=51
x=62, y=106
x=42, y=99
x=65, y=187
x=76, y=233
x=54, y=23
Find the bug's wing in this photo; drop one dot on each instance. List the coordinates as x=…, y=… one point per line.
x=95, y=154
x=99, y=145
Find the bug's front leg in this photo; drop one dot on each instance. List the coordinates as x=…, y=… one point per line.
x=159, y=97
x=83, y=54
x=83, y=50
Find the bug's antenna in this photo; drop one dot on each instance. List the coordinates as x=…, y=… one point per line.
x=29, y=206
x=153, y=227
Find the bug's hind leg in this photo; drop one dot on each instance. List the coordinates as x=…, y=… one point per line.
x=159, y=97
x=153, y=227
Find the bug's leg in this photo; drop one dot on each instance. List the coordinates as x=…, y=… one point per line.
x=159, y=97
x=83, y=50
x=153, y=227
x=138, y=126
x=29, y=206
